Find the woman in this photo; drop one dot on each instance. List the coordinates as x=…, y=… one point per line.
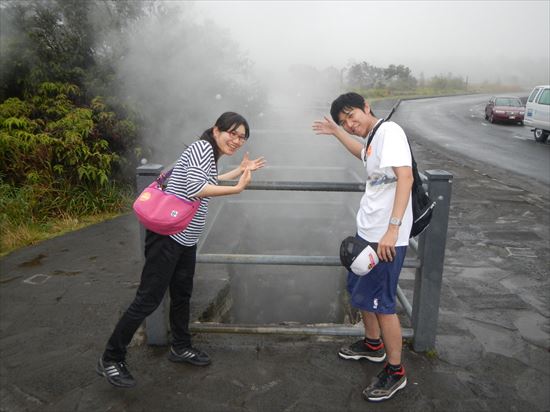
x=170, y=260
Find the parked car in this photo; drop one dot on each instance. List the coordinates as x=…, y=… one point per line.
x=504, y=109
x=537, y=112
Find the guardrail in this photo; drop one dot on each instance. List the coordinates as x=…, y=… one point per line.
x=429, y=247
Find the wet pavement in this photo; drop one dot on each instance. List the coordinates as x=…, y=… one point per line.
x=60, y=299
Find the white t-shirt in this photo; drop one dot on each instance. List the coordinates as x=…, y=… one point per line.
x=389, y=148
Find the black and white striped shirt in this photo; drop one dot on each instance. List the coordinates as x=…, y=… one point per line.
x=195, y=168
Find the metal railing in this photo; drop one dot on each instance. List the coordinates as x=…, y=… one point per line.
x=429, y=247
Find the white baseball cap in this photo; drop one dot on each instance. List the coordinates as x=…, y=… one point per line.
x=358, y=256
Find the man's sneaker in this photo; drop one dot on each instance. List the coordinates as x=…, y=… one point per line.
x=385, y=385
x=189, y=355
x=117, y=373
x=362, y=350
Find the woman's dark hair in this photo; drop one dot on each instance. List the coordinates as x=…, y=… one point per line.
x=227, y=122
x=345, y=102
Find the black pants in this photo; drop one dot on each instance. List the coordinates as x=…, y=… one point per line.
x=167, y=264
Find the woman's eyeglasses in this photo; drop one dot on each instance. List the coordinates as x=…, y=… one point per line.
x=241, y=137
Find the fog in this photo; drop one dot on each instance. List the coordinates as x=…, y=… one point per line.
x=490, y=41
x=190, y=61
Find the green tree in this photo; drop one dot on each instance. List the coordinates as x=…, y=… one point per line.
x=399, y=78
x=58, y=40
x=72, y=42
x=366, y=76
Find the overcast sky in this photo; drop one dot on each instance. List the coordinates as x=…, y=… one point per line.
x=483, y=40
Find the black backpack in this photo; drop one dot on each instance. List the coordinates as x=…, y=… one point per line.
x=422, y=205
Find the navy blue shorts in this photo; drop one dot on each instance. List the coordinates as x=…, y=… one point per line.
x=377, y=290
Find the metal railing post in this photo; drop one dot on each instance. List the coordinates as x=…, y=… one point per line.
x=431, y=251
x=156, y=327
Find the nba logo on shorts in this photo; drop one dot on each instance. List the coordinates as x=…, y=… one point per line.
x=375, y=303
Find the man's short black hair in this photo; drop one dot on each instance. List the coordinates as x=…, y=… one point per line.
x=347, y=101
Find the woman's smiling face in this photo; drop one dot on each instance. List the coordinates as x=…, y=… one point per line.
x=230, y=141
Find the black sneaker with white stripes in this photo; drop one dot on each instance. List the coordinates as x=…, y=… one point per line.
x=189, y=355
x=117, y=373
x=363, y=350
x=385, y=385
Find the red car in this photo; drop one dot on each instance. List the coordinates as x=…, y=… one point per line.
x=505, y=109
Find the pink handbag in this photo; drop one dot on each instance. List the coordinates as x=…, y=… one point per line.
x=161, y=212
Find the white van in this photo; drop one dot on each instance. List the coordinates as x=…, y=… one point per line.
x=537, y=112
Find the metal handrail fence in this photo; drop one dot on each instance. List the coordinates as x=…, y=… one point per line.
x=429, y=248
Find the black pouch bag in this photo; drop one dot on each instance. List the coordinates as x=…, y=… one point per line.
x=422, y=205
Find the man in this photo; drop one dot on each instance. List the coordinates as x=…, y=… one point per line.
x=384, y=217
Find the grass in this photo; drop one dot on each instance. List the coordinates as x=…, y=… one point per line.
x=28, y=234
x=33, y=213
x=381, y=94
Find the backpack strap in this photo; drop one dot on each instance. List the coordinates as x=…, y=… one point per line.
x=373, y=132
x=414, y=166
x=416, y=175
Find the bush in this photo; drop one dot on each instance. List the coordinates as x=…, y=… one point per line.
x=48, y=139
x=56, y=159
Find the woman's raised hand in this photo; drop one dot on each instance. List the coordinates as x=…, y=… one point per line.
x=251, y=164
x=245, y=179
x=325, y=126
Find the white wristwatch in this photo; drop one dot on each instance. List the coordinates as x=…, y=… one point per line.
x=395, y=221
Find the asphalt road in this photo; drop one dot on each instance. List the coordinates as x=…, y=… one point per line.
x=457, y=124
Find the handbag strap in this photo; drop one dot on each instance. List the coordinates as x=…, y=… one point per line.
x=163, y=177
x=161, y=180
